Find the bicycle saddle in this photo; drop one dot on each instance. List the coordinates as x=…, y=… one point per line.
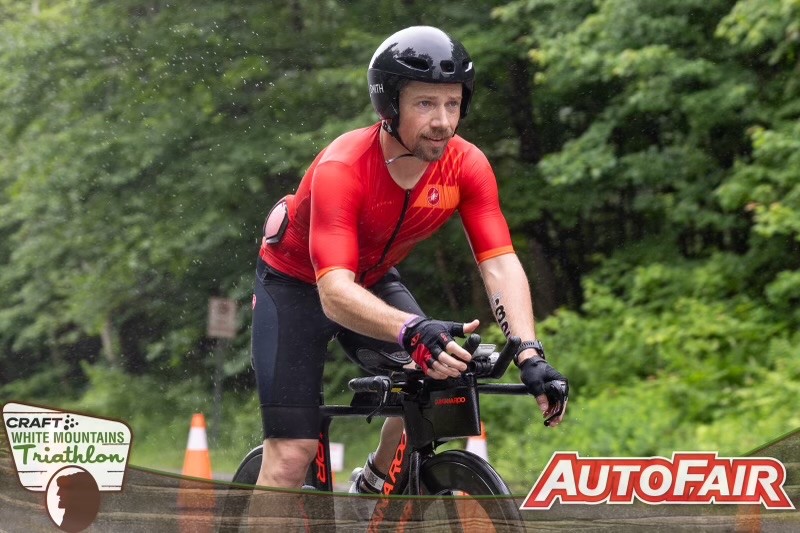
x=371, y=355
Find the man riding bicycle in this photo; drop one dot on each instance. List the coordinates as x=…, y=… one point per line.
x=326, y=263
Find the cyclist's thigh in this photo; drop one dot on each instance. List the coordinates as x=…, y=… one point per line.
x=391, y=290
x=289, y=344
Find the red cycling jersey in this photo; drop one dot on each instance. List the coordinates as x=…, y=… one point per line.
x=349, y=213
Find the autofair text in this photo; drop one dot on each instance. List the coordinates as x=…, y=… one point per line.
x=687, y=478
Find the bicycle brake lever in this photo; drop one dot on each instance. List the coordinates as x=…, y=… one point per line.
x=556, y=392
x=383, y=386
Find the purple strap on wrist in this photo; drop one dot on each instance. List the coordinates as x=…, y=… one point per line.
x=403, y=329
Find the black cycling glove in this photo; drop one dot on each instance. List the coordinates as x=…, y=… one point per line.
x=425, y=339
x=541, y=378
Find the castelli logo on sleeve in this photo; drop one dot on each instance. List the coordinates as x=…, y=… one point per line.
x=433, y=196
x=687, y=478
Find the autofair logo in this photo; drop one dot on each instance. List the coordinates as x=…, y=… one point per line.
x=687, y=478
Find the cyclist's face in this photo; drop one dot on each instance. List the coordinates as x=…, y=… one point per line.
x=429, y=116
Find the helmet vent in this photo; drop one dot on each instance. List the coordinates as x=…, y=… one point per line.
x=448, y=66
x=415, y=63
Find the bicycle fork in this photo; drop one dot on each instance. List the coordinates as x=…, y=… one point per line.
x=402, y=478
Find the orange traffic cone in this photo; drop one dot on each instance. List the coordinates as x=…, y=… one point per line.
x=196, y=499
x=477, y=445
x=197, y=461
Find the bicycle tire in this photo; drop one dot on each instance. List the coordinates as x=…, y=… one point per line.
x=247, y=472
x=457, y=472
x=237, y=500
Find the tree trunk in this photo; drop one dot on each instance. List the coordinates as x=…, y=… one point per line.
x=447, y=287
x=110, y=340
x=522, y=113
x=543, y=281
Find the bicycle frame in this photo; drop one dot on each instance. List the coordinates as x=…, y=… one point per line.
x=434, y=412
x=320, y=474
x=414, y=447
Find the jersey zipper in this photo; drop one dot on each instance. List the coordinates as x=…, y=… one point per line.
x=406, y=201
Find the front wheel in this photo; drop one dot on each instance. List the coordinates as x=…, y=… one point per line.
x=314, y=510
x=237, y=499
x=472, y=481
x=247, y=473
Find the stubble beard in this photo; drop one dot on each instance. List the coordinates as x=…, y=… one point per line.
x=428, y=153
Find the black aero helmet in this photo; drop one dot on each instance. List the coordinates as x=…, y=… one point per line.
x=418, y=53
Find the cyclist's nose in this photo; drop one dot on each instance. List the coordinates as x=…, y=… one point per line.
x=440, y=118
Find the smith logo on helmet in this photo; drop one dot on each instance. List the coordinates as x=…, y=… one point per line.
x=375, y=88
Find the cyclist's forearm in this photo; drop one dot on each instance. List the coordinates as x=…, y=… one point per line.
x=510, y=297
x=352, y=306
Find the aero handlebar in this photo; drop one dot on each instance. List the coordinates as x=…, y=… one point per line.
x=485, y=363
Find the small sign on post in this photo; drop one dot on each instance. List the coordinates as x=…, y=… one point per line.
x=221, y=326
x=337, y=456
x=222, y=318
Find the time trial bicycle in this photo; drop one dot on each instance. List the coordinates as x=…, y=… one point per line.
x=434, y=412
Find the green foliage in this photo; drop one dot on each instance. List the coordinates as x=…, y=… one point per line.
x=765, y=27
x=689, y=320
x=769, y=185
x=654, y=369
x=46, y=386
x=160, y=434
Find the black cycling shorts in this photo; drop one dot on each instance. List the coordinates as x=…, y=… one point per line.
x=290, y=337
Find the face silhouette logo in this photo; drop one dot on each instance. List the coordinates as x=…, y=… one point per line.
x=73, y=499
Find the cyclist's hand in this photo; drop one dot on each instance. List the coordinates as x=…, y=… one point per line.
x=431, y=345
x=550, y=388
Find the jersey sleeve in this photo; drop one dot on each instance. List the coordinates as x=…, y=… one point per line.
x=484, y=223
x=333, y=233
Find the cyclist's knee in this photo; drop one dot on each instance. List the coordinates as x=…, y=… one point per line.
x=286, y=461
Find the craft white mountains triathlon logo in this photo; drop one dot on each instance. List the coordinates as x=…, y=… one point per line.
x=687, y=478
x=72, y=457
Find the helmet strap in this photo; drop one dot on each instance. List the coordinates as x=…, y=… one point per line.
x=387, y=125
